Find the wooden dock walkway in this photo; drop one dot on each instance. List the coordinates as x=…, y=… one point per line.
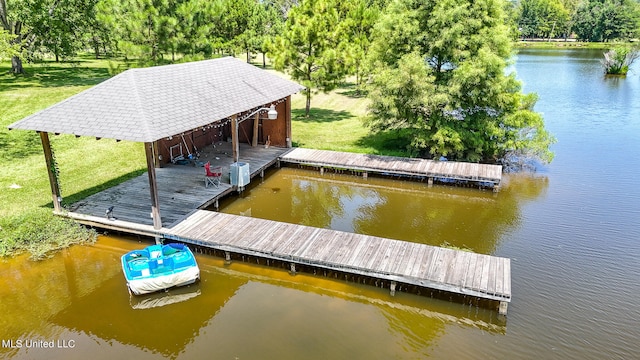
x=181, y=188
x=483, y=174
x=182, y=192
x=460, y=272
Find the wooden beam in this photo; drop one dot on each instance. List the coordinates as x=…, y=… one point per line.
x=287, y=120
x=53, y=178
x=156, y=154
x=256, y=121
x=234, y=137
x=153, y=187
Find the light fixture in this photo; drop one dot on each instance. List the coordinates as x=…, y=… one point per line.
x=272, y=114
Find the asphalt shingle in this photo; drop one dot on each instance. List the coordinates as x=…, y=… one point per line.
x=149, y=104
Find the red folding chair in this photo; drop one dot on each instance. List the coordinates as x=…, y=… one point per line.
x=212, y=175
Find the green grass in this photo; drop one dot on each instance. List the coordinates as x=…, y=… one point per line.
x=39, y=232
x=335, y=122
x=86, y=165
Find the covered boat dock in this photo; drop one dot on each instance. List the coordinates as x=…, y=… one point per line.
x=200, y=108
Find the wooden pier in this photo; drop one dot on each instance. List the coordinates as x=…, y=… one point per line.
x=482, y=174
x=398, y=262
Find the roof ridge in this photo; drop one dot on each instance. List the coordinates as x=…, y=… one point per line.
x=140, y=104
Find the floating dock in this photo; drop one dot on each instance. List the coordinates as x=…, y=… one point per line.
x=482, y=174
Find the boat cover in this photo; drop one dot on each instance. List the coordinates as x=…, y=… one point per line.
x=152, y=284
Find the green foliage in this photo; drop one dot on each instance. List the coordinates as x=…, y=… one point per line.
x=598, y=20
x=543, y=19
x=309, y=47
x=56, y=27
x=153, y=30
x=357, y=27
x=618, y=60
x=440, y=83
x=39, y=232
x=8, y=46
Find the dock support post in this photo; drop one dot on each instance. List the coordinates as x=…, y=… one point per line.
x=393, y=288
x=496, y=188
x=52, y=171
x=430, y=181
x=321, y=170
x=502, y=310
x=262, y=173
x=227, y=257
x=293, y=268
x=365, y=175
x=217, y=205
x=153, y=190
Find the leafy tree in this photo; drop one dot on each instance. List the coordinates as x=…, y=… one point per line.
x=543, y=18
x=440, y=83
x=308, y=47
x=605, y=20
x=8, y=47
x=246, y=23
x=360, y=18
x=62, y=30
x=271, y=26
x=50, y=25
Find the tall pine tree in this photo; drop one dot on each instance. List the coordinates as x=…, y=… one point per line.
x=309, y=47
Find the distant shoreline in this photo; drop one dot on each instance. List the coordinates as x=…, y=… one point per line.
x=562, y=43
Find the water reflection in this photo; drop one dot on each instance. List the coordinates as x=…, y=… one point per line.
x=164, y=298
x=404, y=210
x=240, y=310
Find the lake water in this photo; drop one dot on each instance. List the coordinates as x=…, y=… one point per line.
x=572, y=230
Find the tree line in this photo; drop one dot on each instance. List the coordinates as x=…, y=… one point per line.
x=587, y=20
x=149, y=30
x=434, y=71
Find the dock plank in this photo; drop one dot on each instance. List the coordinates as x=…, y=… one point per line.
x=423, y=265
x=393, y=165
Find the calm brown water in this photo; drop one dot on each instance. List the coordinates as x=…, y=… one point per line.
x=572, y=231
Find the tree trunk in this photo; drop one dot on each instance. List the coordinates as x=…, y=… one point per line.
x=16, y=65
x=264, y=61
x=247, y=56
x=96, y=46
x=306, y=111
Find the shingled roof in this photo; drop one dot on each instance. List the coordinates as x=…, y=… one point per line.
x=148, y=104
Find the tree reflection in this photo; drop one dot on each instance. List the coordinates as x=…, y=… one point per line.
x=404, y=210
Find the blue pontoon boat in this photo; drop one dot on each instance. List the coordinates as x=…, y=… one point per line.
x=159, y=267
